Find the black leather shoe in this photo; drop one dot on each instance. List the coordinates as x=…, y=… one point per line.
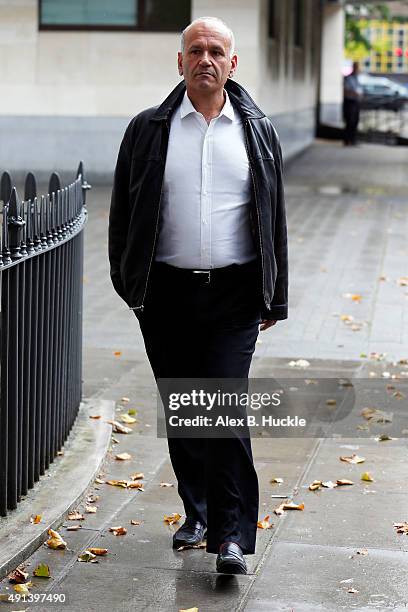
x=230, y=559
x=190, y=533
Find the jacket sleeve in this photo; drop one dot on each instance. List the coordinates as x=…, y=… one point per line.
x=119, y=214
x=279, y=305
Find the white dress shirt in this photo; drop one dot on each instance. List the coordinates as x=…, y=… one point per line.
x=204, y=215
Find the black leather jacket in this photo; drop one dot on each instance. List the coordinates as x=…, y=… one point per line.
x=136, y=195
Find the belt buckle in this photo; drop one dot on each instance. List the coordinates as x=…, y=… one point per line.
x=208, y=272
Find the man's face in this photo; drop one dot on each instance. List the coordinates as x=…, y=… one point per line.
x=206, y=63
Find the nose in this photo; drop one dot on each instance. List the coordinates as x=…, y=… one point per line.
x=204, y=59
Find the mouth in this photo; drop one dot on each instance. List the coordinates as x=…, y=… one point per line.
x=205, y=74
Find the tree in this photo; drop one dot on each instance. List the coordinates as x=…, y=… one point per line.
x=358, y=15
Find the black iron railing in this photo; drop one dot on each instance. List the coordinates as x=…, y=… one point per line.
x=41, y=270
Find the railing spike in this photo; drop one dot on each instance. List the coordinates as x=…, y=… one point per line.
x=30, y=187
x=54, y=184
x=5, y=187
x=80, y=171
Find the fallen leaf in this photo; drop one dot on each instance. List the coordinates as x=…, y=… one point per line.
x=344, y=481
x=125, y=418
x=18, y=576
x=189, y=546
x=117, y=353
x=353, y=459
x=316, y=484
x=125, y=400
x=94, y=416
x=398, y=395
x=352, y=590
x=265, y=523
x=134, y=484
x=362, y=551
x=134, y=522
x=35, y=519
x=137, y=476
x=123, y=456
x=99, y=552
x=401, y=527
x=75, y=516
x=23, y=589
x=99, y=481
x=91, y=499
x=55, y=540
x=166, y=484
x=329, y=484
x=132, y=411
x=403, y=281
x=376, y=416
x=86, y=557
x=288, y=505
x=276, y=480
x=90, y=509
x=119, y=428
x=172, y=519
x=189, y=610
x=118, y=531
x=118, y=483
x=384, y=438
x=366, y=476
x=42, y=571
x=74, y=527
x=331, y=402
x=356, y=297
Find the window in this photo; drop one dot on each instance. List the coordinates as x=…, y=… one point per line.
x=298, y=23
x=153, y=15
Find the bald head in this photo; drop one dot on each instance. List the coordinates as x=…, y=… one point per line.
x=215, y=24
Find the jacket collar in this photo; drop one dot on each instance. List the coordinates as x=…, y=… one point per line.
x=240, y=99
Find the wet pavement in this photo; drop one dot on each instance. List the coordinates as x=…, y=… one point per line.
x=347, y=219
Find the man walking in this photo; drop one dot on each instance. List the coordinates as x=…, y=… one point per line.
x=198, y=250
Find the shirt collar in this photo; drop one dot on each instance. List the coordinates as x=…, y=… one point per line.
x=186, y=107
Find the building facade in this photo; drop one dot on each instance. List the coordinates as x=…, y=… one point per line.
x=74, y=73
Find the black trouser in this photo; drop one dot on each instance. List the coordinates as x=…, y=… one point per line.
x=351, y=116
x=192, y=329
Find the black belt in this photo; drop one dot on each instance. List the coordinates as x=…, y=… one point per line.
x=204, y=277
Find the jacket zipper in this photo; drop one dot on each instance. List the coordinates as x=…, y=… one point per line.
x=257, y=210
x=141, y=307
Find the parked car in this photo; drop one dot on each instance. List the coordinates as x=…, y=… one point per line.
x=381, y=92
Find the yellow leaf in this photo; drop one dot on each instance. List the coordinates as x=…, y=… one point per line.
x=331, y=402
x=125, y=418
x=367, y=477
x=90, y=509
x=288, y=505
x=55, y=540
x=134, y=484
x=117, y=353
x=171, y=519
x=344, y=481
x=189, y=610
x=316, y=484
x=118, y=483
x=42, y=571
x=356, y=297
x=23, y=589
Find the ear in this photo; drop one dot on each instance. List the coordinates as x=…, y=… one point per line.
x=234, y=64
x=180, y=62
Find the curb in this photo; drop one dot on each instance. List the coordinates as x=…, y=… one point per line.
x=60, y=489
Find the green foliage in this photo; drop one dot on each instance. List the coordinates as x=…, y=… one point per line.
x=356, y=43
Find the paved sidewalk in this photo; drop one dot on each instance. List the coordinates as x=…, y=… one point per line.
x=347, y=216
